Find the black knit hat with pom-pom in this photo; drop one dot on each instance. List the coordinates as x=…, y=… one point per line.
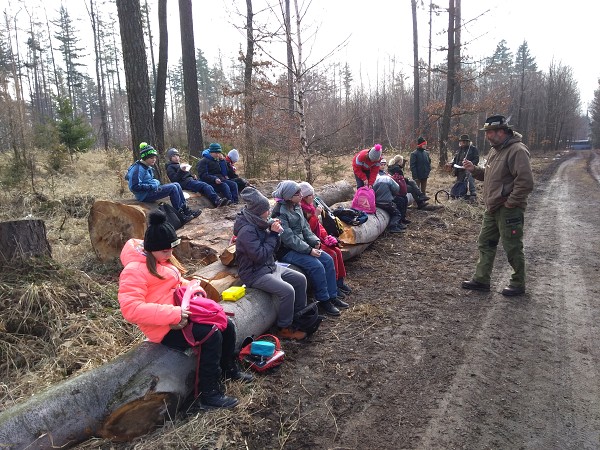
x=160, y=235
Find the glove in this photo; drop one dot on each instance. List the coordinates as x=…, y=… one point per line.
x=330, y=241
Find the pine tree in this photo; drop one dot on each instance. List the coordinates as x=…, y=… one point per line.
x=74, y=133
x=67, y=36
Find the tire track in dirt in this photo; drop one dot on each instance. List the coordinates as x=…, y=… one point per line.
x=531, y=379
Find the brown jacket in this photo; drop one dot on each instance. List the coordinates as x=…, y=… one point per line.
x=507, y=177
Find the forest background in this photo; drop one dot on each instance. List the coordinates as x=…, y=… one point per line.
x=278, y=98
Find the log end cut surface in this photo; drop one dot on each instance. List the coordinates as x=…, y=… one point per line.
x=111, y=224
x=139, y=417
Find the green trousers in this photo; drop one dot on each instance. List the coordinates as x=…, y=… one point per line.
x=505, y=224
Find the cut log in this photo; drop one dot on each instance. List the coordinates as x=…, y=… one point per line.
x=21, y=239
x=227, y=257
x=368, y=231
x=340, y=191
x=112, y=223
x=215, y=278
x=125, y=398
x=148, y=383
x=350, y=251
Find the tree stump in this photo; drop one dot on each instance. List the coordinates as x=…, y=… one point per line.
x=21, y=239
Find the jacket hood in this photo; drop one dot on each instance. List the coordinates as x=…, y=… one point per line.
x=133, y=251
x=240, y=221
x=516, y=137
x=206, y=154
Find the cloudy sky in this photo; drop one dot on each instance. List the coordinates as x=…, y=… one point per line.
x=378, y=31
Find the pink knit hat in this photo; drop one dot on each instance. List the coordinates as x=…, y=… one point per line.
x=375, y=153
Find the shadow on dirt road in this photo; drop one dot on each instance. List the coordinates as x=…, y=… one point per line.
x=531, y=377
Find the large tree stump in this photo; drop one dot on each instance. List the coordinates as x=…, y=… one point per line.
x=21, y=239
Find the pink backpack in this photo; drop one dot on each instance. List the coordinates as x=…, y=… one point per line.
x=202, y=310
x=364, y=200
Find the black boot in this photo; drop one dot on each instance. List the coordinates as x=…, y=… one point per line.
x=233, y=372
x=191, y=212
x=214, y=398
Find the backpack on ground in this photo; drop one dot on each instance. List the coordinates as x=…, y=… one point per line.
x=351, y=216
x=459, y=189
x=308, y=319
x=262, y=353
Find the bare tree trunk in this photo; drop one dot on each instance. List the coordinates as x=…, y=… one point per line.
x=429, y=53
x=99, y=77
x=290, y=57
x=18, y=136
x=416, y=82
x=150, y=40
x=445, y=128
x=249, y=155
x=136, y=73
x=457, y=52
x=161, y=76
x=190, y=78
x=304, y=148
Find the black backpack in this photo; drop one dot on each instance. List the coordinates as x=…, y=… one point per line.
x=330, y=222
x=173, y=216
x=459, y=190
x=351, y=216
x=308, y=319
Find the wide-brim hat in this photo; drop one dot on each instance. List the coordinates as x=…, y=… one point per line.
x=496, y=122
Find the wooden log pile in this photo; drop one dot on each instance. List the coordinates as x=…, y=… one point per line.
x=143, y=388
x=111, y=223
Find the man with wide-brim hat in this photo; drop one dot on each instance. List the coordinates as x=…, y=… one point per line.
x=465, y=151
x=507, y=182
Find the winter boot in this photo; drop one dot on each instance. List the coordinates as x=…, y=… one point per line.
x=233, y=372
x=339, y=303
x=214, y=398
x=343, y=287
x=191, y=212
x=329, y=308
x=290, y=333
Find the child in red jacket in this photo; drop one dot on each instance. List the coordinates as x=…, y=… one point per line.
x=329, y=244
x=365, y=165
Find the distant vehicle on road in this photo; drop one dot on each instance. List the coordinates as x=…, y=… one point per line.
x=582, y=144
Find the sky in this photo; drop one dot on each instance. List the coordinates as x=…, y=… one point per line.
x=378, y=31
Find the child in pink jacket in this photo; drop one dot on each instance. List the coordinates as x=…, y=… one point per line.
x=146, y=285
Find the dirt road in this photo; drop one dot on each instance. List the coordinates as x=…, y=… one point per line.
x=531, y=379
x=420, y=363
